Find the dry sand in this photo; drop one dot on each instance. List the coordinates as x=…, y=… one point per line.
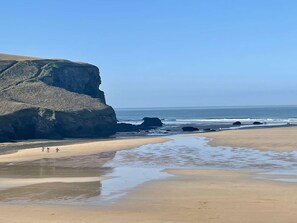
x=276, y=139
x=79, y=149
x=196, y=196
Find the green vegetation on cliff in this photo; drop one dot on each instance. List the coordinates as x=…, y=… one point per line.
x=42, y=98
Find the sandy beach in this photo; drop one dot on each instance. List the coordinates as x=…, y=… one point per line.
x=275, y=139
x=79, y=149
x=189, y=195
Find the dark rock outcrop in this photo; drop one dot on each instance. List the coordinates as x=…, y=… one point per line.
x=257, y=123
x=52, y=99
x=126, y=127
x=151, y=122
x=147, y=124
x=190, y=129
x=237, y=123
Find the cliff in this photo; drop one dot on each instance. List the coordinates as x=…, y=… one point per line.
x=43, y=98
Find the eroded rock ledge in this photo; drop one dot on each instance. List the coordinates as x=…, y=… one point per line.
x=52, y=99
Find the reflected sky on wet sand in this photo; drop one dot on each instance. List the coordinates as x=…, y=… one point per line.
x=105, y=177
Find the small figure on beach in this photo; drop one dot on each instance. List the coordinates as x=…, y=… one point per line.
x=48, y=149
x=57, y=150
x=42, y=149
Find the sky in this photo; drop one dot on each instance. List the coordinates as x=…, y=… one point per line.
x=166, y=53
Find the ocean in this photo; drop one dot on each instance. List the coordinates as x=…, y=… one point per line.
x=222, y=117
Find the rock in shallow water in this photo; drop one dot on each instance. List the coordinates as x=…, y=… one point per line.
x=151, y=122
x=190, y=129
x=147, y=124
x=257, y=123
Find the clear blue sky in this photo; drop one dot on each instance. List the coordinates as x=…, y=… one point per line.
x=166, y=52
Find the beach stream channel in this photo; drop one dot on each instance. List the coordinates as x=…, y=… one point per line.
x=106, y=177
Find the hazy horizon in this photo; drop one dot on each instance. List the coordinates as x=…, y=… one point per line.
x=167, y=53
x=207, y=107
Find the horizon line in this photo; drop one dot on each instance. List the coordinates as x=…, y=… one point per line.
x=207, y=106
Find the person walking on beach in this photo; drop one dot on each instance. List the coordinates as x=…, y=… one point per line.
x=48, y=149
x=42, y=149
x=57, y=150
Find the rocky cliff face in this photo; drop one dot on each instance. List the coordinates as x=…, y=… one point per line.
x=42, y=98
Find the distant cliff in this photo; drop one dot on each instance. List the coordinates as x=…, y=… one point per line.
x=42, y=98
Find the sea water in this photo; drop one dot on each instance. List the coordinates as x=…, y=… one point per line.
x=272, y=115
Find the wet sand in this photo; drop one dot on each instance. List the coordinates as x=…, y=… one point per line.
x=275, y=139
x=189, y=195
x=6, y=183
x=192, y=196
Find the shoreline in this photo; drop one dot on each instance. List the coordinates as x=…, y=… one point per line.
x=190, y=195
x=13, y=147
x=79, y=149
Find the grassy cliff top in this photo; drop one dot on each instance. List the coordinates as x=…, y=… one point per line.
x=60, y=85
x=17, y=57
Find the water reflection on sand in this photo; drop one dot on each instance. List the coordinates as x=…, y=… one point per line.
x=97, y=179
x=52, y=193
x=64, y=180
